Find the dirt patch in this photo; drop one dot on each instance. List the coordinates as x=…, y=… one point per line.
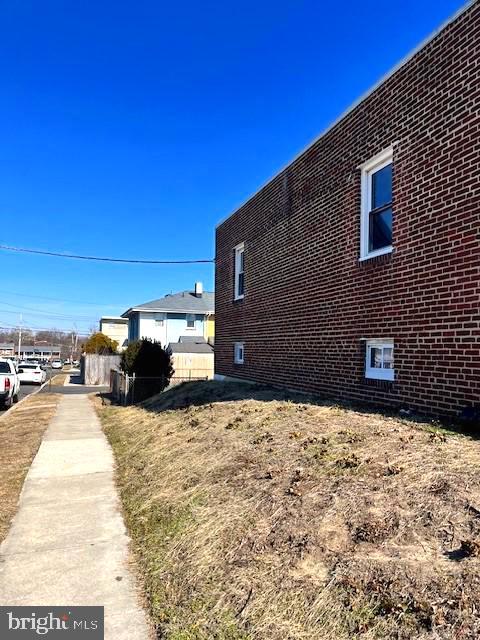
x=21, y=432
x=268, y=517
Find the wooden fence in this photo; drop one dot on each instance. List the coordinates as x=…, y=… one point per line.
x=193, y=365
x=95, y=369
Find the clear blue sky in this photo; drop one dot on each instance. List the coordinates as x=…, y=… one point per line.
x=131, y=129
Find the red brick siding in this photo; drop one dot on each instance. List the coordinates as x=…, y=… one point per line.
x=309, y=301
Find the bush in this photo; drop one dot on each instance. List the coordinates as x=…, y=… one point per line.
x=151, y=365
x=100, y=343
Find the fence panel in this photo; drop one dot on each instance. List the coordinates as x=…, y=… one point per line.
x=95, y=368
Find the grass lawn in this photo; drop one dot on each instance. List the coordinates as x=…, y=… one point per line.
x=259, y=516
x=21, y=432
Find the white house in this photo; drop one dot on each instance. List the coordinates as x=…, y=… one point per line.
x=187, y=313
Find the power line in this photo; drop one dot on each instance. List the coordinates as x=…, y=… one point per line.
x=98, y=259
x=9, y=327
x=46, y=313
x=79, y=302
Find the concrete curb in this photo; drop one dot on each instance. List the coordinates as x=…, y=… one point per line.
x=20, y=402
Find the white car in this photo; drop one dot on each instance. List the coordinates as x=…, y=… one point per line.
x=57, y=364
x=31, y=374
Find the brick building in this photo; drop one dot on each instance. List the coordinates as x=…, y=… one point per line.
x=355, y=272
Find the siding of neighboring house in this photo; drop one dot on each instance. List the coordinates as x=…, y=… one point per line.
x=146, y=325
x=209, y=333
x=115, y=329
x=133, y=326
x=153, y=326
x=177, y=326
x=310, y=303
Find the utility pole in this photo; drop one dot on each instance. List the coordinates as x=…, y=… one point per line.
x=74, y=342
x=20, y=336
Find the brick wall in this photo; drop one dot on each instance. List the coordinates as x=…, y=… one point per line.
x=309, y=302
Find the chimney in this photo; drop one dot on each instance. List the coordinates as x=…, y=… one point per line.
x=198, y=289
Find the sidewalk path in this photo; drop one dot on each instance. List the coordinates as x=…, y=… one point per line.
x=67, y=544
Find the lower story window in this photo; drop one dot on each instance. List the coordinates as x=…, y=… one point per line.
x=379, y=360
x=238, y=352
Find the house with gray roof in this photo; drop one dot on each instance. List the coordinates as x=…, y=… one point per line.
x=166, y=320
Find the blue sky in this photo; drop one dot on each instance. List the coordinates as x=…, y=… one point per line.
x=131, y=129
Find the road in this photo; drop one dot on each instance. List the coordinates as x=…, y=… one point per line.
x=27, y=389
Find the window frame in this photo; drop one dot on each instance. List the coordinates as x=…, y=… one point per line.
x=236, y=347
x=369, y=168
x=379, y=373
x=238, y=251
x=194, y=316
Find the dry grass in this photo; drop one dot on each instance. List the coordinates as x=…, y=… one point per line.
x=58, y=380
x=21, y=432
x=271, y=519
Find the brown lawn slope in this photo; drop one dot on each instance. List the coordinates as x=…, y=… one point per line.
x=257, y=516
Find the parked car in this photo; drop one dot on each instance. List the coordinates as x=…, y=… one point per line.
x=9, y=383
x=32, y=374
x=57, y=364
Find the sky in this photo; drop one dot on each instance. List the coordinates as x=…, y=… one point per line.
x=130, y=129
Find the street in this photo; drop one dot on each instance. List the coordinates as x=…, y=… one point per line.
x=27, y=389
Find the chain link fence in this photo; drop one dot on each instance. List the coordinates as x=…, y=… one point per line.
x=128, y=390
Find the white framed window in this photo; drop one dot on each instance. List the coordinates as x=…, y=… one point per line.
x=239, y=272
x=377, y=211
x=238, y=352
x=159, y=320
x=191, y=320
x=379, y=363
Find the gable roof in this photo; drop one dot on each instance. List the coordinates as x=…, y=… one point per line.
x=190, y=347
x=181, y=302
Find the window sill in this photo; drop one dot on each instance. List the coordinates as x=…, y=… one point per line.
x=387, y=385
x=238, y=298
x=377, y=258
x=376, y=254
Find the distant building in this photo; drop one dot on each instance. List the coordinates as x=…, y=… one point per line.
x=187, y=313
x=116, y=329
x=40, y=352
x=7, y=350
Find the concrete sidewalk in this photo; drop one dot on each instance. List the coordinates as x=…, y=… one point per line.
x=67, y=544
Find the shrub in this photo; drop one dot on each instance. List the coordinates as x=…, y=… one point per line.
x=100, y=343
x=151, y=365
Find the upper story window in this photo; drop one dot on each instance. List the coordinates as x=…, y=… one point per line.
x=377, y=212
x=191, y=321
x=239, y=272
x=379, y=360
